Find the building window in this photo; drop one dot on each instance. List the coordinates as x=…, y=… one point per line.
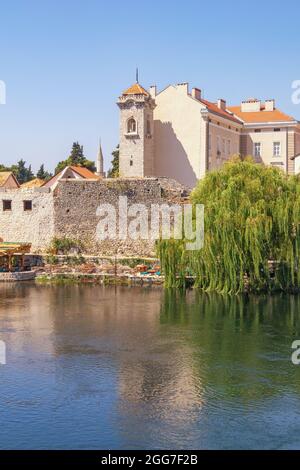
x=276, y=149
x=27, y=205
x=6, y=205
x=277, y=129
x=131, y=126
x=223, y=146
x=257, y=149
x=257, y=130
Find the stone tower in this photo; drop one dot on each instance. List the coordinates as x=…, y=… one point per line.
x=136, y=132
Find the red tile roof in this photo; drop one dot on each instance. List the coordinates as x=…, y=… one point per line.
x=136, y=89
x=5, y=175
x=214, y=108
x=261, y=116
x=84, y=172
x=81, y=171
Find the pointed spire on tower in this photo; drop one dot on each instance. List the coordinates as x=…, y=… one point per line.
x=100, y=161
x=137, y=75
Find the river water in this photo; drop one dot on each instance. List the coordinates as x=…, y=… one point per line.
x=92, y=367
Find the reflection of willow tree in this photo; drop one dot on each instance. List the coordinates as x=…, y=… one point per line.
x=252, y=217
x=243, y=343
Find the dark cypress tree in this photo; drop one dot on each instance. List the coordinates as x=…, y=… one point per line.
x=114, y=170
x=42, y=174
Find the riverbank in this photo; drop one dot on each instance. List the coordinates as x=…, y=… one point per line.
x=95, y=269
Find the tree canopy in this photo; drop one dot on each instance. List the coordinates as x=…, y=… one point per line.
x=252, y=232
x=43, y=174
x=76, y=158
x=21, y=172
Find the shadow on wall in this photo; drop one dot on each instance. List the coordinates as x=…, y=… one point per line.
x=171, y=159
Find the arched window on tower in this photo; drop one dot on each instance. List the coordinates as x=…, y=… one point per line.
x=131, y=126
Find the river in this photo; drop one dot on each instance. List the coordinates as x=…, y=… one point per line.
x=93, y=367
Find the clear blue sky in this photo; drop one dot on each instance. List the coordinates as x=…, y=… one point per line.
x=66, y=62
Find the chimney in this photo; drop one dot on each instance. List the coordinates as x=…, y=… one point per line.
x=196, y=93
x=153, y=91
x=252, y=105
x=183, y=87
x=269, y=105
x=222, y=104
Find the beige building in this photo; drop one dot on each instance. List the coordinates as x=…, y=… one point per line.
x=178, y=134
x=268, y=134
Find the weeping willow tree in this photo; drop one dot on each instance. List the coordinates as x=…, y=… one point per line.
x=252, y=232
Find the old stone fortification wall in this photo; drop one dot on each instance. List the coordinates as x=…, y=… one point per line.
x=71, y=211
x=76, y=203
x=35, y=226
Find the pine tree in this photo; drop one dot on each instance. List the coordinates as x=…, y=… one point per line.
x=77, y=157
x=42, y=174
x=22, y=173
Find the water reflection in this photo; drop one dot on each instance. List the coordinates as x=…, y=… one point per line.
x=96, y=367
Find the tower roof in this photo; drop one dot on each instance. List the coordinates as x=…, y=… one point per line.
x=136, y=89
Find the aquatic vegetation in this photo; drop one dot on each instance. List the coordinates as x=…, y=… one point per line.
x=252, y=232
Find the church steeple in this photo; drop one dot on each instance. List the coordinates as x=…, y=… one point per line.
x=100, y=162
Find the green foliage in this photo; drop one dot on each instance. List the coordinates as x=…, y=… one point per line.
x=114, y=170
x=25, y=174
x=252, y=222
x=42, y=174
x=52, y=260
x=65, y=245
x=76, y=158
x=21, y=172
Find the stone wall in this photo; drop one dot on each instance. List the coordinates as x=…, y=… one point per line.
x=71, y=211
x=35, y=226
x=76, y=203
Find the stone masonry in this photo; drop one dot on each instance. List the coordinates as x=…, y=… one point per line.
x=71, y=211
x=35, y=226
